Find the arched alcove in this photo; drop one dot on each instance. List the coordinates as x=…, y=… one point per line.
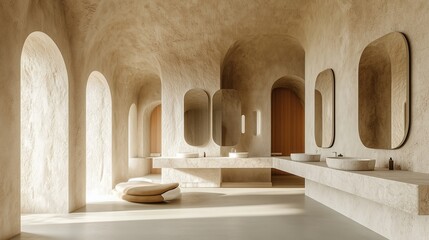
x=287, y=116
x=132, y=131
x=155, y=130
x=98, y=136
x=44, y=127
x=251, y=66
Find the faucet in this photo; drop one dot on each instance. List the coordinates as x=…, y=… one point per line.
x=335, y=154
x=233, y=150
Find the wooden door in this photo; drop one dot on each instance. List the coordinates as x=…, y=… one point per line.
x=287, y=122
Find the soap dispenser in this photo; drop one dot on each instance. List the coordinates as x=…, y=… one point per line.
x=390, y=164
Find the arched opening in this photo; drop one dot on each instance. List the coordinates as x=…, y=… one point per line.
x=155, y=135
x=132, y=131
x=98, y=137
x=44, y=127
x=287, y=117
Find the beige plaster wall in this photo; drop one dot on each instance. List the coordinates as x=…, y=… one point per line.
x=44, y=127
x=336, y=34
x=253, y=66
x=18, y=19
x=185, y=45
x=98, y=137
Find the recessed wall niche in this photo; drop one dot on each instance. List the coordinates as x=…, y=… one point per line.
x=324, y=109
x=196, y=115
x=384, y=92
x=226, y=117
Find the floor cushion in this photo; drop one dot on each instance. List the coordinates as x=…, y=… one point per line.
x=148, y=192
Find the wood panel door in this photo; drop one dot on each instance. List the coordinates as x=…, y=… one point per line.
x=287, y=122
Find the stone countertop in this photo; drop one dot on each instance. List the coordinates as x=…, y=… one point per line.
x=404, y=190
x=212, y=162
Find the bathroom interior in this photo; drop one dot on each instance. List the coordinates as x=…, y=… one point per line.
x=296, y=113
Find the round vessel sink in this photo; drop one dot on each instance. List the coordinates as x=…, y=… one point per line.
x=187, y=155
x=238, y=154
x=351, y=163
x=305, y=157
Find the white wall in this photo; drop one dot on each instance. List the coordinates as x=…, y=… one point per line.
x=98, y=136
x=44, y=127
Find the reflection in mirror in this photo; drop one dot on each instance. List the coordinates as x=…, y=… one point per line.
x=196, y=110
x=226, y=117
x=384, y=92
x=324, y=109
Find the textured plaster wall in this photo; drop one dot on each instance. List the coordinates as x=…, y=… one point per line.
x=98, y=136
x=44, y=127
x=253, y=66
x=336, y=35
x=149, y=97
x=17, y=20
x=132, y=131
x=185, y=45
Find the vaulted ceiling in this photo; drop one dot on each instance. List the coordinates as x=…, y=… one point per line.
x=144, y=36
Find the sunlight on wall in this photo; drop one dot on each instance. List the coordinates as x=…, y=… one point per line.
x=132, y=131
x=98, y=136
x=44, y=127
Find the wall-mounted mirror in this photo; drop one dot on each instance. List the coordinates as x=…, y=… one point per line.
x=196, y=118
x=384, y=92
x=226, y=117
x=324, y=109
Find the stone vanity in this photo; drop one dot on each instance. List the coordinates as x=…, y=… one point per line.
x=394, y=204
x=215, y=171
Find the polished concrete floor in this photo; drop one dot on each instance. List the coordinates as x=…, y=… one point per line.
x=280, y=212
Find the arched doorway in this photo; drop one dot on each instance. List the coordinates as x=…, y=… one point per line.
x=98, y=137
x=132, y=132
x=287, y=117
x=44, y=127
x=155, y=135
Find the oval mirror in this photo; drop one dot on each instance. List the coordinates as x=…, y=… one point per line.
x=226, y=117
x=196, y=117
x=324, y=109
x=384, y=92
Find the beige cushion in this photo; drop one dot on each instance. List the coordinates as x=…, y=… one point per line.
x=167, y=196
x=144, y=188
x=148, y=192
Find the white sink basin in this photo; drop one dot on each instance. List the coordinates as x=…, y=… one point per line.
x=187, y=155
x=351, y=163
x=238, y=154
x=305, y=157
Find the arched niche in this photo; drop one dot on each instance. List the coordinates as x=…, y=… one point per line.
x=155, y=130
x=196, y=117
x=324, y=109
x=226, y=121
x=98, y=136
x=132, y=131
x=384, y=92
x=44, y=127
x=287, y=116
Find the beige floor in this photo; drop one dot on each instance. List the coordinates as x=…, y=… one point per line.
x=280, y=212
